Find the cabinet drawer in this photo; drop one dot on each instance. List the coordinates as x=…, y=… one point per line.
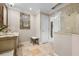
x=7, y=43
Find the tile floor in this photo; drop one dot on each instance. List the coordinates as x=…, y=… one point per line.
x=28, y=49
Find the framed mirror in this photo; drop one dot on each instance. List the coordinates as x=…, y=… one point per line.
x=3, y=16
x=24, y=21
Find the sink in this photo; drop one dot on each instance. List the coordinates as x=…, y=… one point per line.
x=2, y=34
x=9, y=33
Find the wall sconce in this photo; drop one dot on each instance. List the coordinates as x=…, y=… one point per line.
x=11, y=4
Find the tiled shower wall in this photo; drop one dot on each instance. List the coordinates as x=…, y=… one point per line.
x=69, y=17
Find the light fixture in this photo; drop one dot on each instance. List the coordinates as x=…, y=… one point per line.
x=30, y=8
x=11, y=4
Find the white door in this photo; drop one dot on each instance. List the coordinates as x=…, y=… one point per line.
x=44, y=28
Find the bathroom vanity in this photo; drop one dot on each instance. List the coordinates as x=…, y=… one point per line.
x=8, y=42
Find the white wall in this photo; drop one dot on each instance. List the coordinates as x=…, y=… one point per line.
x=41, y=25
x=13, y=20
x=14, y=25
x=37, y=29
x=26, y=34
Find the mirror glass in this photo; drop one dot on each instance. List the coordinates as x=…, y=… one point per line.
x=3, y=16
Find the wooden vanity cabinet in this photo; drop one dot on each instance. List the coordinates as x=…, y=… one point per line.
x=8, y=43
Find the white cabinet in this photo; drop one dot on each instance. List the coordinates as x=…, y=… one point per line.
x=63, y=44
x=75, y=45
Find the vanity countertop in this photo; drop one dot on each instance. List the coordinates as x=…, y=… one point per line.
x=9, y=34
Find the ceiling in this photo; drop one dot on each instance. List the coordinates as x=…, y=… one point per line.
x=44, y=7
